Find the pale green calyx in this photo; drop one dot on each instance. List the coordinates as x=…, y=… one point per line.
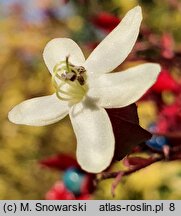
x=69, y=81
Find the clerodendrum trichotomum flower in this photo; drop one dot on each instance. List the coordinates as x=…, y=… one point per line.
x=85, y=87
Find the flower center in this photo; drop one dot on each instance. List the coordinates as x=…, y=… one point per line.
x=69, y=81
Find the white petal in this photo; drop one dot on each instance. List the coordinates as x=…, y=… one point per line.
x=58, y=49
x=95, y=139
x=39, y=111
x=113, y=50
x=120, y=89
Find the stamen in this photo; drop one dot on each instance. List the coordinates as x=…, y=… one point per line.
x=69, y=81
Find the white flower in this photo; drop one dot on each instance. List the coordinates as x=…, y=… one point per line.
x=84, y=92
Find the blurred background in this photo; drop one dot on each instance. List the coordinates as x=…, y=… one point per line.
x=25, y=28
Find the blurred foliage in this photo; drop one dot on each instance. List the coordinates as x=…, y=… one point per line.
x=24, y=75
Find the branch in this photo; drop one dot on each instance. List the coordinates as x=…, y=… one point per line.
x=118, y=175
x=106, y=175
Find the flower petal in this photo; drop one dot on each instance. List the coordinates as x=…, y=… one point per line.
x=39, y=111
x=58, y=49
x=95, y=139
x=120, y=89
x=113, y=50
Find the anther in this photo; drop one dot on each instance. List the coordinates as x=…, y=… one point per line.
x=81, y=80
x=80, y=69
x=69, y=75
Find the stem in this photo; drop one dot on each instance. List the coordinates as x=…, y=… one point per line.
x=118, y=175
x=130, y=171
